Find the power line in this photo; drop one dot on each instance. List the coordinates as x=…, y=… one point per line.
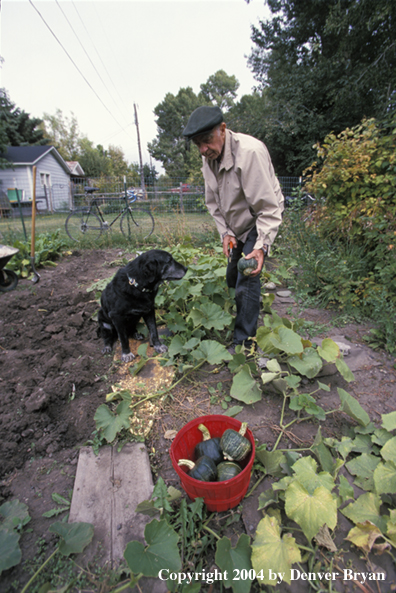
x=83, y=48
x=101, y=61
x=74, y=64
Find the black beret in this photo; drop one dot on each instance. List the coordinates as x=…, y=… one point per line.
x=203, y=120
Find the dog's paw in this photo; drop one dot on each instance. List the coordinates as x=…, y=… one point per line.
x=107, y=350
x=160, y=348
x=128, y=357
x=137, y=336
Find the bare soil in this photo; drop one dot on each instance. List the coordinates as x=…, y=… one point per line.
x=53, y=378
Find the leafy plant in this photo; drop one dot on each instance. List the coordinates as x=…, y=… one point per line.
x=14, y=516
x=48, y=247
x=63, y=505
x=178, y=538
x=313, y=498
x=74, y=537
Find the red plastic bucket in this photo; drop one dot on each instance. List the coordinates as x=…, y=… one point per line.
x=218, y=496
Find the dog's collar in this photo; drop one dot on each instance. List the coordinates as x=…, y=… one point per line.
x=133, y=283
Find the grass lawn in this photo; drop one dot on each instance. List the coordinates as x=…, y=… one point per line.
x=169, y=229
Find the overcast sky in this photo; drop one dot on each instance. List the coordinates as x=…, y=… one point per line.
x=96, y=59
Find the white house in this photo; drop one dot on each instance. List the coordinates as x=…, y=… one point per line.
x=52, y=177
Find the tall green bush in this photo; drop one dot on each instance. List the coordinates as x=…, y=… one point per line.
x=344, y=249
x=356, y=175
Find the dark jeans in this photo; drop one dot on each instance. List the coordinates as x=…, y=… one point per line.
x=247, y=292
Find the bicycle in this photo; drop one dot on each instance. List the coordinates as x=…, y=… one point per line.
x=84, y=221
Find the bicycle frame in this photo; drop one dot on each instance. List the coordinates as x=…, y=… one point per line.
x=94, y=205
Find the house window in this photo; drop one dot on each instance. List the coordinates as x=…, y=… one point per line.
x=45, y=179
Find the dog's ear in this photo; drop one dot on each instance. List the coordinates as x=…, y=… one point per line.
x=150, y=272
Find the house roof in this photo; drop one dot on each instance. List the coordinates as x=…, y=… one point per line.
x=75, y=168
x=31, y=155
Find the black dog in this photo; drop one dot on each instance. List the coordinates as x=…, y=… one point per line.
x=130, y=296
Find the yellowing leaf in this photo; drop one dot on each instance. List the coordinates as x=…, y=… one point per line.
x=385, y=478
x=305, y=472
x=271, y=552
x=364, y=535
x=310, y=511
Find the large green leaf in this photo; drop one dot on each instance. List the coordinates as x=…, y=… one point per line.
x=366, y=508
x=344, y=370
x=211, y=351
x=345, y=490
x=111, y=423
x=15, y=515
x=10, y=552
x=305, y=472
x=273, y=554
x=351, y=406
x=308, y=363
x=273, y=366
x=310, y=511
x=385, y=478
x=389, y=421
x=388, y=451
x=329, y=350
x=230, y=559
x=210, y=316
x=263, y=338
x=363, y=468
x=287, y=340
x=271, y=460
x=391, y=526
x=74, y=536
x=244, y=387
x=161, y=551
x=322, y=452
x=268, y=377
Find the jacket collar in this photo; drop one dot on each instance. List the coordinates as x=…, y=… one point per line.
x=227, y=163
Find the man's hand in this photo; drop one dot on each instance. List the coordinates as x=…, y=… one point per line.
x=258, y=255
x=228, y=241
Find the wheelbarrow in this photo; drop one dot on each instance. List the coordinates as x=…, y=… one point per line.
x=8, y=278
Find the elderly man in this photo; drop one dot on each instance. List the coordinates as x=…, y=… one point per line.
x=245, y=199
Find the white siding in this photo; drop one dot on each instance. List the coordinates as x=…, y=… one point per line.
x=49, y=173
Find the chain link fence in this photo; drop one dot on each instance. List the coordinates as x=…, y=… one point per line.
x=167, y=199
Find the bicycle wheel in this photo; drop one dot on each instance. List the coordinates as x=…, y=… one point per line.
x=81, y=222
x=138, y=223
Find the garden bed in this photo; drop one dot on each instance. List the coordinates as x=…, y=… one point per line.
x=53, y=378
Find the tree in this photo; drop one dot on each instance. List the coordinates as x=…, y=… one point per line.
x=63, y=133
x=220, y=89
x=17, y=127
x=170, y=147
x=118, y=165
x=172, y=116
x=93, y=160
x=326, y=65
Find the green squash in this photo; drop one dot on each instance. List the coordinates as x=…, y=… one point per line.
x=235, y=446
x=204, y=469
x=209, y=446
x=246, y=266
x=226, y=470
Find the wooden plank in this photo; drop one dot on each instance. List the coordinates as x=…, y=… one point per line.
x=107, y=489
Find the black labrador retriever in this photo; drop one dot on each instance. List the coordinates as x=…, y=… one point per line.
x=130, y=296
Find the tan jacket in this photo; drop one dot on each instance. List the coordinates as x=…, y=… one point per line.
x=243, y=191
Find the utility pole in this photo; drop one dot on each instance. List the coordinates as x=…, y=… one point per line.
x=140, y=153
